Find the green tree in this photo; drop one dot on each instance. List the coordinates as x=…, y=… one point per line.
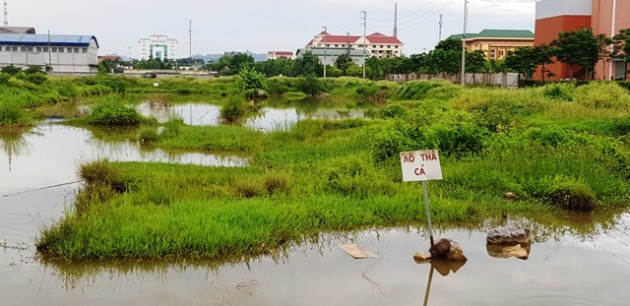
x=622, y=48
x=374, y=68
x=449, y=44
x=355, y=70
x=343, y=61
x=251, y=83
x=475, y=61
x=581, y=48
x=308, y=64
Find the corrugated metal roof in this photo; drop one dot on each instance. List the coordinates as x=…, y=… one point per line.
x=494, y=33
x=43, y=40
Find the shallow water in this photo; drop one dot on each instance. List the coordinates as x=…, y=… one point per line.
x=564, y=268
x=268, y=119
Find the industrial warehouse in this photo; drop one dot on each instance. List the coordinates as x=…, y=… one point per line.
x=59, y=54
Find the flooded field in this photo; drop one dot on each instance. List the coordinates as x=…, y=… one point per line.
x=268, y=119
x=565, y=266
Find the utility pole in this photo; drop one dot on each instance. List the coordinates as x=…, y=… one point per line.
x=324, y=39
x=441, y=24
x=395, y=19
x=464, y=42
x=6, y=13
x=190, y=38
x=364, y=40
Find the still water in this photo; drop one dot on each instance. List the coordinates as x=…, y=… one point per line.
x=565, y=266
x=267, y=119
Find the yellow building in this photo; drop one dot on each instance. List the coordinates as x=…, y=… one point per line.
x=497, y=44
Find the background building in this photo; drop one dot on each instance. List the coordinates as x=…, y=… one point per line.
x=273, y=55
x=158, y=47
x=329, y=56
x=376, y=44
x=496, y=44
x=59, y=53
x=556, y=16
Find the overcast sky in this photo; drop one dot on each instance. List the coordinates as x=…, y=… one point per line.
x=261, y=25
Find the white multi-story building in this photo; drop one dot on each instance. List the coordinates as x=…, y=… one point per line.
x=55, y=53
x=376, y=44
x=158, y=47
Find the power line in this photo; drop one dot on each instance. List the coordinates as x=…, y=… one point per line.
x=437, y=7
x=438, y=10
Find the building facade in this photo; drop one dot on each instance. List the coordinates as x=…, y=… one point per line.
x=274, y=55
x=158, y=47
x=602, y=16
x=497, y=44
x=56, y=53
x=328, y=57
x=376, y=44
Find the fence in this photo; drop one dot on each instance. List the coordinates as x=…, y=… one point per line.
x=507, y=80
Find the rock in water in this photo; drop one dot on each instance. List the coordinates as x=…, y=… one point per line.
x=449, y=249
x=503, y=251
x=422, y=257
x=509, y=236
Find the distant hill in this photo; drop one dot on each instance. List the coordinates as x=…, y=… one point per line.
x=215, y=57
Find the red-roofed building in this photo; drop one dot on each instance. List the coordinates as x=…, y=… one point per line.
x=274, y=55
x=376, y=44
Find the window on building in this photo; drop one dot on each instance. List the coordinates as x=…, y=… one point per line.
x=76, y=50
x=501, y=53
x=396, y=47
x=29, y=49
x=14, y=48
x=492, y=54
x=336, y=45
x=38, y=49
x=22, y=49
x=45, y=49
x=381, y=47
x=373, y=46
x=84, y=50
x=60, y=49
x=69, y=50
x=389, y=46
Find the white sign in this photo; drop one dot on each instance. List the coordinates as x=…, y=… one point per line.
x=421, y=166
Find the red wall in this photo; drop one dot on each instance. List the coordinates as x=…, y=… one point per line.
x=547, y=30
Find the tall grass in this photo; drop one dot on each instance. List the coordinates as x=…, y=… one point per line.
x=323, y=176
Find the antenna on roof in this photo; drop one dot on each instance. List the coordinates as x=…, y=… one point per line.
x=396, y=20
x=6, y=13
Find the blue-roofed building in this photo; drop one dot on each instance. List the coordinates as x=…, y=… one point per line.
x=66, y=54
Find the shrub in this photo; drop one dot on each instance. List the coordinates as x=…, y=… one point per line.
x=114, y=114
x=248, y=189
x=372, y=94
x=10, y=70
x=275, y=183
x=554, y=136
x=148, y=135
x=570, y=194
x=10, y=112
x=416, y=90
x=98, y=172
x=235, y=110
x=603, y=95
x=392, y=111
x=559, y=91
x=310, y=85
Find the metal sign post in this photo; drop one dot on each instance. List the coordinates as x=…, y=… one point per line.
x=426, y=204
x=422, y=166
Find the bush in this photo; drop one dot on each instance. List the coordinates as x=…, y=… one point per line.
x=416, y=90
x=235, y=110
x=392, y=111
x=372, y=94
x=10, y=112
x=559, y=91
x=11, y=70
x=554, y=136
x=276, y=183
x=114, y=114
x=570, y=194
x=603, y=95
x=310, y=85
x=148, y=135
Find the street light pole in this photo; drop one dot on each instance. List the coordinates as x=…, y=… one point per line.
x=364, y=39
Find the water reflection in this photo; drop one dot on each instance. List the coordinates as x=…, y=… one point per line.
x=266, y=119
x=13, y=143
x=319, y=273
